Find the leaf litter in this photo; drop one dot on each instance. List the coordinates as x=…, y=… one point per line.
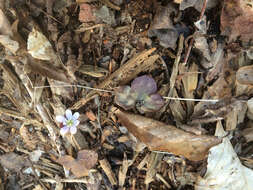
x=150, y=81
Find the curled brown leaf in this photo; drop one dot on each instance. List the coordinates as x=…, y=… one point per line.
x=162, y=137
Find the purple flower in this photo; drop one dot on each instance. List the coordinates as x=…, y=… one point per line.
x=141, y=94
x=69, y=122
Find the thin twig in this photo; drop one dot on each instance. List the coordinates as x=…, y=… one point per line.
x=70, y=85
x=110, y=91
x=190, y=99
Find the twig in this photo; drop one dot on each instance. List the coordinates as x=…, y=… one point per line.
x=69, y=85
x=82, y=180
x=190, y=99
x=110, y=91
x=191, y=42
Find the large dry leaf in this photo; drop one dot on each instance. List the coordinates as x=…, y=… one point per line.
x=162, y=137
x=224, y=169
x=86, y=159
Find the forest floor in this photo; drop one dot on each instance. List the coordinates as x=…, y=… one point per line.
x=128, y=95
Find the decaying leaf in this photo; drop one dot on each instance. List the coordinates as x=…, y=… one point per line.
x=86, y=13
x=224, y=169
x=245, y=75
x=161, y=137
x=162, y=27
x=86, y=159
x=237, y=19
x=9, y=44
x=236, y=115
x=48, y=70
x=202, y=45
x=5, y=27
x=13, y=161
x=39, y=46
x=29, y=140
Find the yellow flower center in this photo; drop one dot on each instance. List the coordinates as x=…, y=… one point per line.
x=70, y=122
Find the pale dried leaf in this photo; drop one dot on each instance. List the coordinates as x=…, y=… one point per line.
x=39, y=46
x=202, y=45
x=5, y=27
x=224, y=169
x=9, y=44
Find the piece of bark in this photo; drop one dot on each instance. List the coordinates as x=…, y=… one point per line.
x=162, y=137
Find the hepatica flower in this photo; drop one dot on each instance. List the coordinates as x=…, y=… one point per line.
x=69, y=122
x=141, y=94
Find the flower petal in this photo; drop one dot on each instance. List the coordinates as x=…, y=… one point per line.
x=76, y=122
x=76, y=115
x=73, y=130
x=64, y=130
x=68, y=114
x=60, y=118
x=152, y=103
x=144, y=85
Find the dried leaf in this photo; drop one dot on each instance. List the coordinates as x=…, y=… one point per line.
x=236, y=116
x=106, y=15
x=162, y=27
x=29, y=139
x=5, y=27
x=9, y=44
x=86, y=13
x=245, y=75
x=13, y=161
x=202, y=45
x=161, y=137
x=86, y=159
x=224, y=169
x=39, y=46
x=48, y=70
x=237, y=19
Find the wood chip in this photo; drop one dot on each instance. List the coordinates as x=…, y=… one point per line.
x=108, y=171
